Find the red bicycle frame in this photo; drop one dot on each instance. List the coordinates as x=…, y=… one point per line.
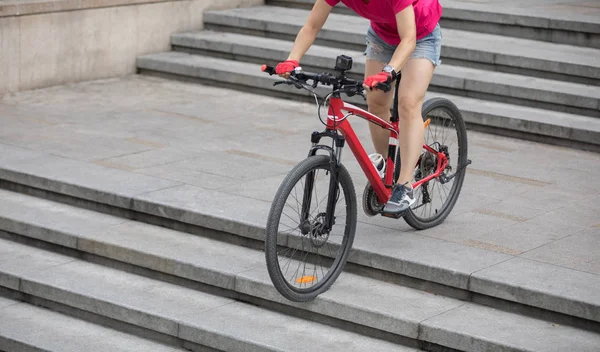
x=337, y=120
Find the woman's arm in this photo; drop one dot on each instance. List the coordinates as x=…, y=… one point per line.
x=407, y=30
x=308, y=33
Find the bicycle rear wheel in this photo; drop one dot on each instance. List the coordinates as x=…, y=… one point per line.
x=304, y=255
x=446, y=132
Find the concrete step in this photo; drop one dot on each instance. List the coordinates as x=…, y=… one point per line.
x=496, y=86
x=531, y=20
x=213, y=321
x=475, y=50
x=215, y=263
x=523, y=122
x=182, y=314
x=449, y=268
x=27, y=328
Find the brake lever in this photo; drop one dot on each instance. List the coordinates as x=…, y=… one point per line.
x=293, y=81
x=288, y=82
x=384, y=86
x=298, y=85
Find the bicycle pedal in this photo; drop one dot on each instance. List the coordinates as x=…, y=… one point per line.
x=393, y=216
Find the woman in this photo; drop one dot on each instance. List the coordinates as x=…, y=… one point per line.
x=404, y=35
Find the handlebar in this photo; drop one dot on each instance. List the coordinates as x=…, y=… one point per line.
x=345, y=84
x=268, y=69
x=323, y=78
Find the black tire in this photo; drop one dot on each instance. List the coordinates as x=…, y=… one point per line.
x=445, y=117
x=284, y=241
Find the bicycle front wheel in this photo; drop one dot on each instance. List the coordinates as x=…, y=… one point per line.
x=307, y=242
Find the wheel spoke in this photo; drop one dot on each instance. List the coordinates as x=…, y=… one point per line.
x=289, y=217
x=291, y=229
x=304, y=261
x=446, y=129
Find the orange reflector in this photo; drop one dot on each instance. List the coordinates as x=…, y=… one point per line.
x=263, y=68
x=306, y=279
x=427, y=122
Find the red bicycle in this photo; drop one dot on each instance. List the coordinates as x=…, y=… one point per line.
x=312, y=221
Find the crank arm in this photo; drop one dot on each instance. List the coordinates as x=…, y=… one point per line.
x=419, y=206
x=445, y=179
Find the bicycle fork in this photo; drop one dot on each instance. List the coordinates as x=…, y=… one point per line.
x=333, y=190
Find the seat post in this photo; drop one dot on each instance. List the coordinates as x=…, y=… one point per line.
x=395, y=117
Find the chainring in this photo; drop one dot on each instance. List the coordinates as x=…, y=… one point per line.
x=371, y=204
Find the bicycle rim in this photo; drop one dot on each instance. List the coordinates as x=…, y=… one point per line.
x=304, y=257
x=446, y=130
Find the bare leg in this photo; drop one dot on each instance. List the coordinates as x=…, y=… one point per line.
x=416, y=76
x=379, y=104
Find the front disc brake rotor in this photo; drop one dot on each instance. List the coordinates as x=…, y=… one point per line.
x=318, y=234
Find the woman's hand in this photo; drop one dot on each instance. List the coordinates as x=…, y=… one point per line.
x=283, y=69
x=372, y=81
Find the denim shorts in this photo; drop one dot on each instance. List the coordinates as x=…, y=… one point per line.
x=428, y=47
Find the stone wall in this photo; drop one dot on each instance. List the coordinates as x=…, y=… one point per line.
x=45, y=43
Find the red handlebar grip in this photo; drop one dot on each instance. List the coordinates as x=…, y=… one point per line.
x=268, y=69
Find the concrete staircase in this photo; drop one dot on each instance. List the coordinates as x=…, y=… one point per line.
x=147, y=258
x=93, y=258
x=533, y=89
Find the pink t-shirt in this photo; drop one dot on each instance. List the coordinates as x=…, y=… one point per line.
x=382, y=14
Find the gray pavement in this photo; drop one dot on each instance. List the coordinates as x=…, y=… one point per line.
x=520, y=198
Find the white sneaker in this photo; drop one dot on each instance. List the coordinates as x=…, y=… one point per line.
x=379, y=163
x=401, y=200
